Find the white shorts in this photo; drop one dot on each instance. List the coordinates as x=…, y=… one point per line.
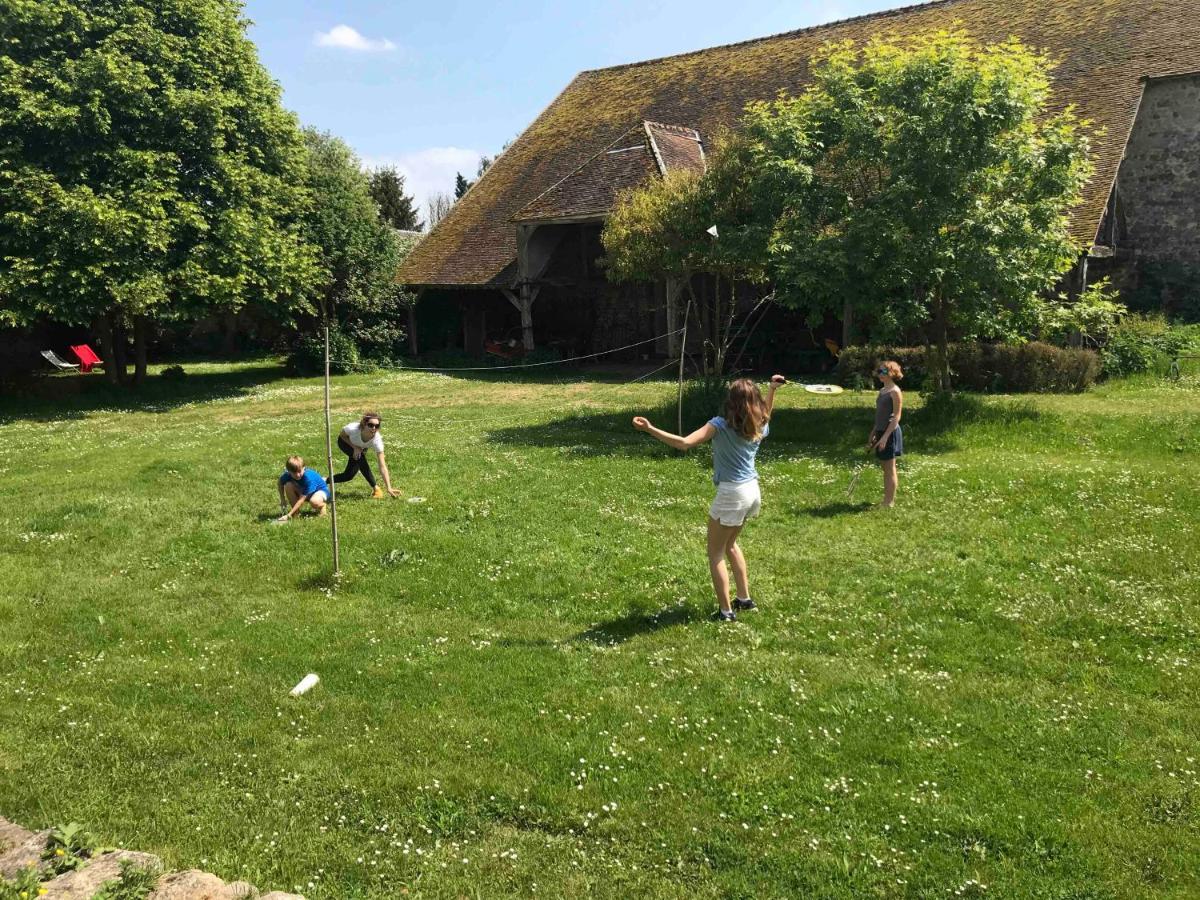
x=735, y=503
x=315, y=494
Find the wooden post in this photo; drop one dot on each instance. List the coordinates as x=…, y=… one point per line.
x=337, y=566
x=524, y=305
x=673, y=345
x=413, y=347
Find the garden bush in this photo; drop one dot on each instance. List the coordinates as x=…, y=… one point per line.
x=1147, y=344
x=308, y=355
x=1025, y=368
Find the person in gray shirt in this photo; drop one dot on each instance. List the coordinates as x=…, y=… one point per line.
x=887, y=438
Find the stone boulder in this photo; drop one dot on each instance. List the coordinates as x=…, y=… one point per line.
x=25, y=850
x=82, y=883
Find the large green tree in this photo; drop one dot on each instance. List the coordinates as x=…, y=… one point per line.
x=147, y=168
x=358, y=253
x=925, y=183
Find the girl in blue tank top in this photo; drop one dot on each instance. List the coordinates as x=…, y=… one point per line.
x=736, y=437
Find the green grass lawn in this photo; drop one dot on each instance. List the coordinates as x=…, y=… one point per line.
x=991, y=690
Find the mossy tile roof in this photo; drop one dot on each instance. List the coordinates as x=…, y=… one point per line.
x=1104, y=49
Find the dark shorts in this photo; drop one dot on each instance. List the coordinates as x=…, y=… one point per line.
x=894, y=448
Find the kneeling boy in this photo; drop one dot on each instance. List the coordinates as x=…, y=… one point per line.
x=298, y=484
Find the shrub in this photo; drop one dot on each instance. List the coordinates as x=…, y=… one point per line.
x=1023, y=368
x=379, y=330
x=1091, y=319
x=1147, y=344
x=308, y=355
x=703, y=398
x=173, y=373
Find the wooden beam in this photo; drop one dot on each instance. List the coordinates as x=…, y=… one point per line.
x=524, y=304
x=672, y=293
x=413, y=348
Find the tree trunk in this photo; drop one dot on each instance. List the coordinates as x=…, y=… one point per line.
x=120, y=356
x=140, y=326
x=718, y=328
x=104, y=333
x=940, y=335
x=229, y=335
x=847, y=323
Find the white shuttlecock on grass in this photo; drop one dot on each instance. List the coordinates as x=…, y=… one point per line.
x=306, y=684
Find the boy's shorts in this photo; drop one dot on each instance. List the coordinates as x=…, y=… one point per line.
x=894, y=446
x=735, y=503
x=322, y=494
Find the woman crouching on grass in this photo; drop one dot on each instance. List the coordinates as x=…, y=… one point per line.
x=736, y=437
x=887, y=439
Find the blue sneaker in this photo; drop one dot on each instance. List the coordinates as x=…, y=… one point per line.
x=722, y=616
x=744, y=604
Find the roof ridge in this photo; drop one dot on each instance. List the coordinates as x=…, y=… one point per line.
x=687, y=130
x=883, y=13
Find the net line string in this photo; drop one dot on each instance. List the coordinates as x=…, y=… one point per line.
x=552, y=362
x=450, y=421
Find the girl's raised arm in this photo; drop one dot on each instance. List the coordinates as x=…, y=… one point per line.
x=695, y=439
x=777, y=381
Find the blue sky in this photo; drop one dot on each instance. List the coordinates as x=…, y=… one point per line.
x=431, y=86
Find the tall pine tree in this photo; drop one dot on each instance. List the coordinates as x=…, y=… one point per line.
x=395, y=207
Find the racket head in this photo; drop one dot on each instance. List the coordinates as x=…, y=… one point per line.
x=823, y=388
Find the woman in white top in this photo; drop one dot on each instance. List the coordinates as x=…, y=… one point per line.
x=355, y=439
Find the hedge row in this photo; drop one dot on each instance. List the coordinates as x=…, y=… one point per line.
x=1033, y=367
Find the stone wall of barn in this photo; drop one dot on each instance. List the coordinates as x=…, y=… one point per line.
x=1159, y=184
x=1153, y=220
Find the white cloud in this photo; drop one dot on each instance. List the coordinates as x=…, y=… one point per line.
x=429, y=171
x=346, y=38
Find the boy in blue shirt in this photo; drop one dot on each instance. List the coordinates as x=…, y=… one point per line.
x=298, y=484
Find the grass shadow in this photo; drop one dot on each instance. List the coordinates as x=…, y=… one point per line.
x=55, y=398
x=634, y=623
x=834, y=433
x=833, y=510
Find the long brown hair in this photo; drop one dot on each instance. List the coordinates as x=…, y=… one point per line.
x=745, y=410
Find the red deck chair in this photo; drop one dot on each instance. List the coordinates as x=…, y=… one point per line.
x=87, y=357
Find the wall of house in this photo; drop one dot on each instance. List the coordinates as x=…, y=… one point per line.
x=1153, y=218
x=1159, y=185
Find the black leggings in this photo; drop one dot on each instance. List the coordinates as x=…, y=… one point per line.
x=354, y=466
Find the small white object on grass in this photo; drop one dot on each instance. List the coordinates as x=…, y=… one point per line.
x=712, y=229
x=306, y=684
x=416, y=499
x=281, y=520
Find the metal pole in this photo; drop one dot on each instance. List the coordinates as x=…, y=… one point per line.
x=337, y=568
